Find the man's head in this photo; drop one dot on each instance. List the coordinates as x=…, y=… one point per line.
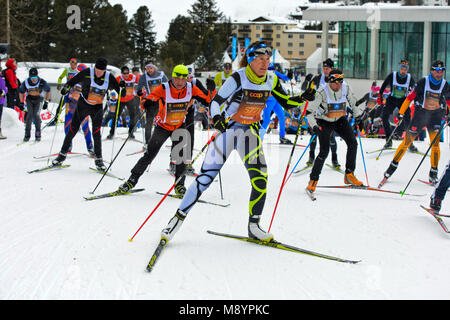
x=335, y=79
x=258, y=57
x=100, y=67
x=404, y=67
x=33, y=73
x=327, y=66
x=227, y=68
x=135, y=71
x=437, y=69
x=150, y=68
x=125, y=72
x=73, y=63
x=179, y=76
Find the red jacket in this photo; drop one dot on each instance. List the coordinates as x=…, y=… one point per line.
x=10, y=74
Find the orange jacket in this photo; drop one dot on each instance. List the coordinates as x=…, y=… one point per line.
x=159, y=95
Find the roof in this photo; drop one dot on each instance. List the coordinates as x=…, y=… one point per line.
x=377, y=12
x=267, y=20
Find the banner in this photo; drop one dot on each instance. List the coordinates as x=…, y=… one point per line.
x=234, y=48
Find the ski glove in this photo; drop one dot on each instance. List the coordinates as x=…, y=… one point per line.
x=360, y=119
x=309, y=94
x=21, y=106
x=65, y=90
x=210, y=84
x=317, y=130
x=45, y=105
x=219, y=123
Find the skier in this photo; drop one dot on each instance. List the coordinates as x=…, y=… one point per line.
x=130, y=101
x=222, y=76
x=111, y=106
x=373, y=110
x=68, y=72
x=72, y=100
x=33, y=87
x=320, y=81
x=328, y=113
x=401, y=83
x=440, y=190
x=190, y=118
x=95, y=82
x=175, y=97
x=245, y=94
x=273, y=106
x=150, y=80
x=431, y=97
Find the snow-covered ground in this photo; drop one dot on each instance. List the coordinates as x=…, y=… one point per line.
x=56, y=245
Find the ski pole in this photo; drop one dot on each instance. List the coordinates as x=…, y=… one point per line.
x=362, y=153
x=390, y=138
x=116, y=119
x=173, y=186
x=293, y=169
x=56, y=126
x=113, y=160
x=289, y=163
x=424, y=156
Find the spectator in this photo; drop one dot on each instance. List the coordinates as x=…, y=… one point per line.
x=12, y=83
x=3, y=92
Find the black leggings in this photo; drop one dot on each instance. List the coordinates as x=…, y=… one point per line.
x=345, y=131
x=81, y=112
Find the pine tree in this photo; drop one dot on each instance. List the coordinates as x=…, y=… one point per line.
x=142, y=36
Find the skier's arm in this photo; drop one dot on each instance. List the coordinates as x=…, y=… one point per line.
x=363, y=99
x=62, y=76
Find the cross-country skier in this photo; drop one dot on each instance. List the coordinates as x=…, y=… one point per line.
x=95, y=82
x=431, y=97
x=244, y=94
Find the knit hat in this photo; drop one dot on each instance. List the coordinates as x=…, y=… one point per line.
x=328, y=63
x=101, y=63
x=33, y=72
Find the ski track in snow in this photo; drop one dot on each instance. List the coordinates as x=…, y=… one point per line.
x=55, y=245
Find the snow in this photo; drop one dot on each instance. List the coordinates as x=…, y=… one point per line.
x=56, y=245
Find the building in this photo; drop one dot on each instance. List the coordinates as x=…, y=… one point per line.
x=373, y=38
x=294, y=43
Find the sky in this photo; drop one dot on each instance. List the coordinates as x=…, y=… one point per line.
x=164, y=11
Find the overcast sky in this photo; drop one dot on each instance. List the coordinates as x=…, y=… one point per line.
x=163, y=11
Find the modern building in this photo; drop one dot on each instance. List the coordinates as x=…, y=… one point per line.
x=373, y=38
x=294, y=43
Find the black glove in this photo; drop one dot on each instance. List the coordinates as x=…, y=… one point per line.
x=59, y=87
x=400, y=117
x=317, y=130
x=45, y=105
x=2, y=93
x=123, y=92
x=210, y=85
x=360, y=119
x=20, y=106
x=219, y=123
x=65, y=90
x=140, y=93
x=148, y=104
x=309, y=94
x=122, y=84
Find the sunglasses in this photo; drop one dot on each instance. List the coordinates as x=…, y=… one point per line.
x=438, y=69
x=125, y=73
x=34, y=78
x=180, y=75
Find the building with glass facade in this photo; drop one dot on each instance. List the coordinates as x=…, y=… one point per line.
x=373, y=39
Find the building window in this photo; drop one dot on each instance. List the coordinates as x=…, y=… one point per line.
x=290, y=53
x=290, y=44
x=258, y=36
x=302, y=36
x=302, y=53
x=278, y=36
x=319, y=36
x=278, y=44
x=301, y=44
x=318, y=45
x=278, y=27
x=258, y=27
x=290, y=36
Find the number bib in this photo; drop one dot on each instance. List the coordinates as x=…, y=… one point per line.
x=252, y=105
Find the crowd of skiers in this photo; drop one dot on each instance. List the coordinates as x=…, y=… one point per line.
x=239, y=104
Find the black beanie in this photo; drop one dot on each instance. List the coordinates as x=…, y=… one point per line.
x=125, y=68
x=101, y=63
x=328, y=63
x=33, y=72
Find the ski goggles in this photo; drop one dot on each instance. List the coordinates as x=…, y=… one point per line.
x=34, y=78
x=180, y=75
x=438, y=68
x=258, y=50
x=336, y=78
x=73, y=61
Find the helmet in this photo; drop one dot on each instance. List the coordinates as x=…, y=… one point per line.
x=180, y=71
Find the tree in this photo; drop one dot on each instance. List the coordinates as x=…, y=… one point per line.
x=142, y=36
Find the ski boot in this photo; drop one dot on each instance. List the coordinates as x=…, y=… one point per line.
x=2, y=137
x=435, y=205
x=172, y=227
x=255, y=231
x=284, y=140
x=335, y=163
x=388, y=173
x=128, y=185
x=350, y=178
x=110, y=137
x=312, y=184
x=91, y=152
x=180, y=190
x=310, y=161
x=413, y=148
x=37, y=136
x=100, y=165
x=433, y=176
x=388, y=144
x=26, y=139
x=59, y=159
